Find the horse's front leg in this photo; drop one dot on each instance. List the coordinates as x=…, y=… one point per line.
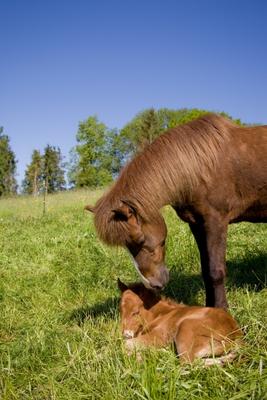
x=211, y=240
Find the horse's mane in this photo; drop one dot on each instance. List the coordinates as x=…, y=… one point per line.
x=166, y=172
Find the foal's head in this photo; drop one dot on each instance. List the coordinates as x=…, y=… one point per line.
x=135, y=300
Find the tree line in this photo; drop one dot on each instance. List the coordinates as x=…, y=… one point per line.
x=96, y=159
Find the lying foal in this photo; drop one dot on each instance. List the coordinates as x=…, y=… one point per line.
x=198, y=332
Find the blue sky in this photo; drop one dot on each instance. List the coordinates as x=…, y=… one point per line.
x=61, y=61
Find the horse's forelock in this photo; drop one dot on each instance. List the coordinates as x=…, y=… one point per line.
x=111, y=230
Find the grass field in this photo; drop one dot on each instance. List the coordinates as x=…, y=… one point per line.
x=59, y=324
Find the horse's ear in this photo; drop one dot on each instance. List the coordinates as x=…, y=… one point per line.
x=121, y=285
x=126, y=212
x=89, y=208
x=123, y=212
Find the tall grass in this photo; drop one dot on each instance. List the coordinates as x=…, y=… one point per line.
x=59, y=324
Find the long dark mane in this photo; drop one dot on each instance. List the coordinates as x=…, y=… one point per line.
x=166, y=172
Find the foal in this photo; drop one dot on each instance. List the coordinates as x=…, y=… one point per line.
x=198, y=332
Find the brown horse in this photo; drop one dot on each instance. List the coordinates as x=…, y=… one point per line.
x=212, y=172
x=198, y=332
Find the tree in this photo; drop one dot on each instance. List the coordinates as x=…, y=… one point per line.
x=101, y=152
x=114, y=155
x=45, y=171
x=150, y=128
x=139, y=132
x=93, y=165
x=150, y=123
x=8, y=184
x=33, y=180
x=53, y=169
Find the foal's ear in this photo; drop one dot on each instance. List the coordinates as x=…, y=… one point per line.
x=121, y=285
x=89, y=208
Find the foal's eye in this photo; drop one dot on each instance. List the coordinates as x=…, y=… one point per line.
x=134, y=313
x=149, y=250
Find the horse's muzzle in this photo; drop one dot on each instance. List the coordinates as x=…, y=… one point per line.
x=159, y=282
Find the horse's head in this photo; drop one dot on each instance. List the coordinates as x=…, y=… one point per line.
x=145, y=239
x=146, y=243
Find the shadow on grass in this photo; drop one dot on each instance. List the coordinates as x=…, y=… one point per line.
x=106, y=309
x=183, y=288
x=249, y=272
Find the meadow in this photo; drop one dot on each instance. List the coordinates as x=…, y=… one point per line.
x=59, y=324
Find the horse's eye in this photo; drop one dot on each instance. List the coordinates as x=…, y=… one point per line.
x=162, y=243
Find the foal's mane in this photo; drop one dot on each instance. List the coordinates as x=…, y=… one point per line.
x=166, y=172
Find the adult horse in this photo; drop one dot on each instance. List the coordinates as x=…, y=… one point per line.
x=212, y=172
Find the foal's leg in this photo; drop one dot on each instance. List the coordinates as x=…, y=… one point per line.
x=151, y=339
x=194, y=340
x=184, y=342
x=211, y=240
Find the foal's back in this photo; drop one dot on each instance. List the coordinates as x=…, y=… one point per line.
x=216, y=322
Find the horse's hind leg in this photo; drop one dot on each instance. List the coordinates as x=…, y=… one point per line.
x=211, y=240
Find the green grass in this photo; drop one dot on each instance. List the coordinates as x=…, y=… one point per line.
x=59, y=325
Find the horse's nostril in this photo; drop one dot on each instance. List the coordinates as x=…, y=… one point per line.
x=164, y=275
x=158, y=283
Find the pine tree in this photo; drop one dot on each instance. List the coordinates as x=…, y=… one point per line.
x=150, y=123
x=8, y=184
x=140, y=132
x=32, y=182
x=149, y=128
x=53, y=170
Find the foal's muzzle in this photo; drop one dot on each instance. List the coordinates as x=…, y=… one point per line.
x=127, y=334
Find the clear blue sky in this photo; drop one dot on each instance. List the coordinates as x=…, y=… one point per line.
x=61, y=61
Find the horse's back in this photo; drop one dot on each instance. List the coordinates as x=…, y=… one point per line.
x=237, y=189
x=249, y=166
